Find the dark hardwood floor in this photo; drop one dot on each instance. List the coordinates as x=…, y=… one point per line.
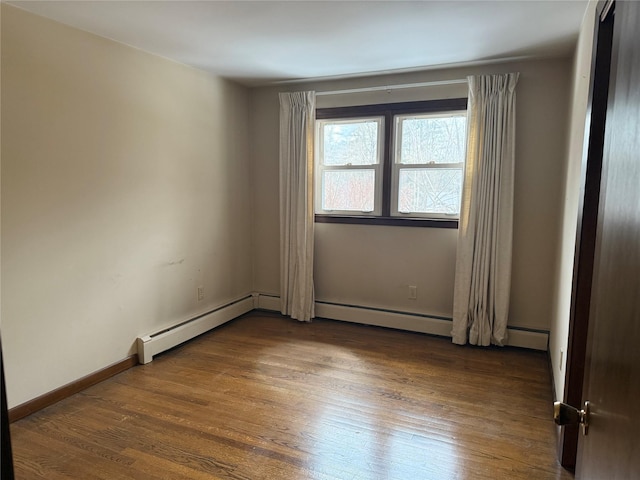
x=265, y=397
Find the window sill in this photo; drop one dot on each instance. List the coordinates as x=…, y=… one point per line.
x=388, y=221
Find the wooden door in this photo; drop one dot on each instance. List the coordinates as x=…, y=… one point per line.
x=612, y=375
x=5, y=453
x=587, y=226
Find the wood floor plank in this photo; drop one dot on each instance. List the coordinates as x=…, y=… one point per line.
x=265, y=397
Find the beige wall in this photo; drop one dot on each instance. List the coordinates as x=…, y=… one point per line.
x=124, y=187
x=373, y=265
x=567, y=231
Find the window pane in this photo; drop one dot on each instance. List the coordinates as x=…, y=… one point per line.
x=348, y=190
x=431, y=139
x=350, y=142
x=429, y=190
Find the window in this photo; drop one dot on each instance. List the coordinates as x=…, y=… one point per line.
x=428, y=164
x=398, y=163
x=350, y=173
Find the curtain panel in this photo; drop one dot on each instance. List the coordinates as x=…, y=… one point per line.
x=297, y=128
x=483, y=265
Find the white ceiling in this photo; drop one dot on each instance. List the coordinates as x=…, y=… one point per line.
x=257, y=42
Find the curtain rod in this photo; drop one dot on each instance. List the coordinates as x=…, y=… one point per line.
x=393, y=87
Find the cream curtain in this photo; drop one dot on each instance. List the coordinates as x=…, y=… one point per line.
x=297, y=125
x=483, y=266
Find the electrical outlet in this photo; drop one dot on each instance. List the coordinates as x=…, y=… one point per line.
x=413, y=292
x=200, y=293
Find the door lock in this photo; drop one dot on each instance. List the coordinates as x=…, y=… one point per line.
x=564, y=414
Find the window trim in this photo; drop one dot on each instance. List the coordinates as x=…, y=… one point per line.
x=388, y=111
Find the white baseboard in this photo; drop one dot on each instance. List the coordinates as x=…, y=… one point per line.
x=158, y=342
x=155, y=343
x=268, y=302
x=432, y=325
x=382, y=318
x=533, y=339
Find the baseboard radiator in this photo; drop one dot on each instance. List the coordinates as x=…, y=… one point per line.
x=414, y=322
x=158, y=342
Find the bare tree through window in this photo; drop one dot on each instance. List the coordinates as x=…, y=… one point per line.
x=348, y=146
x=435, y=144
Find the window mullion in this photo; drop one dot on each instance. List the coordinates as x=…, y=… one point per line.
x=387, y=165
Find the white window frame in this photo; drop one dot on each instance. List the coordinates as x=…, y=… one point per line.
x=321, y=168
x=396, y=166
